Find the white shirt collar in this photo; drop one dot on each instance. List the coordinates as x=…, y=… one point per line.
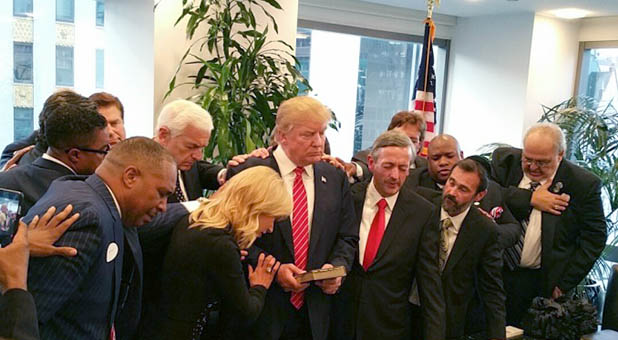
x=457, y=219
x=115, y=200
x=286, y=166
x=373, y=196
x=57, y=161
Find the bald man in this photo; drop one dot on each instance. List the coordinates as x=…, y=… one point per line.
x=79, y=297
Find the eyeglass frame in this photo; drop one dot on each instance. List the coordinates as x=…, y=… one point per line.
x=539, y=164
x=108, y=147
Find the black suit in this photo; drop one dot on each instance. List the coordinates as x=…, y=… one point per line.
x=360, y=158
x=333, y=239
x=373, y=304
x=18, y=316
x=571, y=242
x=8, y=151
x=508, y=227
x=201, y=176
x=76, y=297
x=33, y=179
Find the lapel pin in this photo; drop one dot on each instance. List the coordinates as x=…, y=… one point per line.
x=323, y=179
x=112, y=252
x=557, y=188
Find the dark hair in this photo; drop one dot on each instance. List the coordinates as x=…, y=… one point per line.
x=58, y=96
x=402, y=118
x=103, y=99
x=482, y=161
x=71, y=120
x=469, y=165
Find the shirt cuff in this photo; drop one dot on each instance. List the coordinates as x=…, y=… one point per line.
x=221, y=176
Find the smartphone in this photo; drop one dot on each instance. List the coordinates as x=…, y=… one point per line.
x=10, y=211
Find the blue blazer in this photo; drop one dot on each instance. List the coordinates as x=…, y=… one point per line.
x=76, y=297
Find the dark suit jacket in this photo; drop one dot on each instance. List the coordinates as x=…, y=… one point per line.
x=8, y=151
x=509, y=229
x=202, y=175
x=360, y=158
x=377, y=299
x=76, y=297
x=333, y=239
x=571, y=242
x=18, y=316
x=201, y=267
x=32, y=179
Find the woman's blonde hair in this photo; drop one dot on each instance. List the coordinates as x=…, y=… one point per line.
x=252, y=192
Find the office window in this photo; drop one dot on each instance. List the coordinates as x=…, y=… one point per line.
x=100, y=68
x=22, y=122
x=364, y=79
x=598, y=78
x=22, y=8
x=64, y=66
x=22, y=63
x=65, y=10
x=100, y=13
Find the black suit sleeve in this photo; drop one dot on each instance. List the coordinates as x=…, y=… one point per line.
x=154, y=236
x=518, y=201
x=491, y=289
x=18, y=316
x=429, y=282
x=592, y=237
x=230, y=281
x=347, y=236
x=208, y=173
x=509, y=230
x=360, y=159
x=52, y=280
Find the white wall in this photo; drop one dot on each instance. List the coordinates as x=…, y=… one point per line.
x=488, y=76
x=170, y=44
x=43, y=54
x=129, y=65
x=335, y=74
x=553, y=64
x=598, y=29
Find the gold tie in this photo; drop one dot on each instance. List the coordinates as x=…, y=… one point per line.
x=446, y=224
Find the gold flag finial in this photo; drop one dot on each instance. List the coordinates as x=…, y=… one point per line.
x=430, y=6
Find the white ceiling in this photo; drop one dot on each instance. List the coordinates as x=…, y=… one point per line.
x=469, y=8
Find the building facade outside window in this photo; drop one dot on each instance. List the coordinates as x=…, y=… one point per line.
x=100, y=12
x=22, y=8
x=22, y=62
x=23, y=121
x=65, y=10
x=100, y=69
x=64, y=66
x=598, y=78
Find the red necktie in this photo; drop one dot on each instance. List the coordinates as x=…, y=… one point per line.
x=375, y=235
x=300, y=231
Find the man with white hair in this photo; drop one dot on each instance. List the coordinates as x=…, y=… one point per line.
x=561, y=214
x=184, y=128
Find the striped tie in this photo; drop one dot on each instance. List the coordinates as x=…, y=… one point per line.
x=512, y=256
x=300, y=231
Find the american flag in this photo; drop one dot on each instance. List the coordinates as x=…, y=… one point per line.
x=424, y=96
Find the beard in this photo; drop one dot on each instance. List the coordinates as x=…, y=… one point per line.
x=452, y=207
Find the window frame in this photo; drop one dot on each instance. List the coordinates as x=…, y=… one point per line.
x=23, y=15
x=72, y=84
x=72, y=19
x=31, y=81
x=584, y=45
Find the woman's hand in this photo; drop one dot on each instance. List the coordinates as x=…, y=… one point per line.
x=264, y=272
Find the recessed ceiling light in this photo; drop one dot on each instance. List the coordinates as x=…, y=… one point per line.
x=569, y=13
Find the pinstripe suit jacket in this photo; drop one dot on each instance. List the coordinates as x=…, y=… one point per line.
x=76, y=298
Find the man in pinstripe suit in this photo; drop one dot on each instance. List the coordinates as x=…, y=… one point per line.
x=78, y=297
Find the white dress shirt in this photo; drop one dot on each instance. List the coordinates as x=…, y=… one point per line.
x=370, y=209
x=531, y=251
x=56, y=160
x=286, y=167
x=453, y=231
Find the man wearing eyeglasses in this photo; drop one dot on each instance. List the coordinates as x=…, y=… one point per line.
x=558, y=204
x=78, y=141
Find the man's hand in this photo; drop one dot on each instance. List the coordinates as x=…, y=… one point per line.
x=243, y=254
x=556, y=293
x=485, y=213
x=286, y=279
x=44, y=232
x=17, y=155
x=543, y=200
x=330, y=286
x=335, y=161
x=239, y=159
x=14, y=261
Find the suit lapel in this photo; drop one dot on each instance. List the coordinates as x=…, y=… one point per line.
x=47, y=164
x=465, y=238
x=191, y=182
x=395, y=224
x=320, y=190
x=550, y=221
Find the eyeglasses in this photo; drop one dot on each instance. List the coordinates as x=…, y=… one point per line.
x=540, y=164
x=103, y=151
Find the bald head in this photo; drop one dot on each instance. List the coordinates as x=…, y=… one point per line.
x=141, y=174
x=443, y=153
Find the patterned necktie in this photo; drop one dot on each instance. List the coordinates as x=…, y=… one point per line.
x=375, y=235
x=300, y=231
x=178, y=191
x=446, y=224
x=512, y=256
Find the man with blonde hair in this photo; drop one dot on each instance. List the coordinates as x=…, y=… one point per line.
x=319, y=234
x=559, y=207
